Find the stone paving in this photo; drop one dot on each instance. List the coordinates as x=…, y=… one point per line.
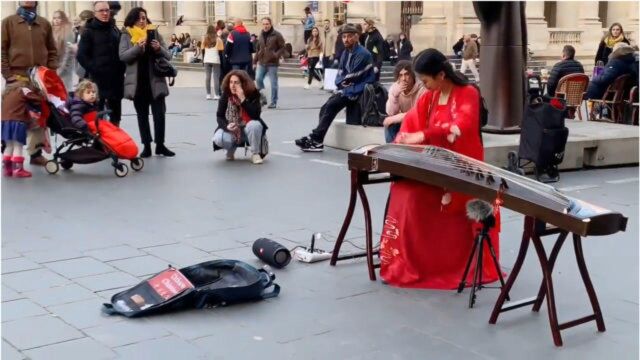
x=72, y=240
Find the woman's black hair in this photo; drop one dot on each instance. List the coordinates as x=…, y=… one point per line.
x=431, y=62
x=133, y=15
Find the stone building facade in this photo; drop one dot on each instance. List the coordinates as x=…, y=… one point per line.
x=551, y=24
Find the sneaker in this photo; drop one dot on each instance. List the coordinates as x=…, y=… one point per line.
x=271, y=106
x=309, y=145
x=216, y=97
x=306, y=87
x=208, y=97
x=256, y=159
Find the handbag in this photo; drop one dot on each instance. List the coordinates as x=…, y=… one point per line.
x=163, y=68
x=211, y=56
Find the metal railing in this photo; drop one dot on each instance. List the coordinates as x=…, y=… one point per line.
x=564, y=36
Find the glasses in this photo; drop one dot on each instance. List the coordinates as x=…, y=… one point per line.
x=102, y=11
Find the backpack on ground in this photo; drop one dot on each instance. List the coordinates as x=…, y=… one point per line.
x=373, y=105
x=208, y=284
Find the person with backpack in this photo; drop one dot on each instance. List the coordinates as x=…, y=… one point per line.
x=425, y=216
x=239, y=48
x=403, y=95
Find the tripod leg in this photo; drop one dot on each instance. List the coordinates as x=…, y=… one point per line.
x=496, y=263
x=478, y=270
x=463, y=280
x=480, y=261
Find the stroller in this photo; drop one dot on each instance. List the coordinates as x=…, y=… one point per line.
x=103, y=140
x=542, y=140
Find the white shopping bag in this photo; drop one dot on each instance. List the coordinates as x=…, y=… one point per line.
x=330, y=78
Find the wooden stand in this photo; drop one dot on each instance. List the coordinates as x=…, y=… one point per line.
x=546, y=287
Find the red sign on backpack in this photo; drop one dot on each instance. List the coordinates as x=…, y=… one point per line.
x=170, y=283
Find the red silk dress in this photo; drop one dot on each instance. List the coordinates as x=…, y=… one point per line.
x=427, y=237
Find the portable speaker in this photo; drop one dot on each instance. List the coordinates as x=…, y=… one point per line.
x=271, y=252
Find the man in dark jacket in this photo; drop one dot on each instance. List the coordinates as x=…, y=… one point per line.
x=374, y=42
x=27, y=41
x=565, y=67
x=622, y=61
x=98, y=54
x=238, y=49
x=270, y=50
x=355, y=72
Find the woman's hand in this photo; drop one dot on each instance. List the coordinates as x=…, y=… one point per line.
x=142, y=43
x=240, y=93
x=410, y=138
x=389, y=120
x=155, y=45
x=232, y=127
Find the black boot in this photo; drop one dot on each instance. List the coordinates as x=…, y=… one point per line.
x=146, y=152
x=162, y=150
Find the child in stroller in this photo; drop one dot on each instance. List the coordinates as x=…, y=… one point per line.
x=101, y=140
x=84, y=101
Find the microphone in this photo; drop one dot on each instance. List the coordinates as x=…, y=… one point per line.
x=481, y=211
x=271, y=252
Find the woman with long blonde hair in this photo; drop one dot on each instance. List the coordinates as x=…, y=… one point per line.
x=63, y=37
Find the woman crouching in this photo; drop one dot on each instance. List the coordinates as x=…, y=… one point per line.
x=238, y=114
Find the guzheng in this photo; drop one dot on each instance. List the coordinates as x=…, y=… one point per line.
x=458, y=173
x=540, y=203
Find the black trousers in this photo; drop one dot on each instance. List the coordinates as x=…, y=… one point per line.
x=158, y=109
x=307, y=35
x=115, y=105
x=328, y=113
x=311, y=69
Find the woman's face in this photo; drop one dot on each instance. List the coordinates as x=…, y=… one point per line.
x=401, y=37
x=315, y=32
x=142, y=19
x=616, y=30
x=432, y=82
x=57, y=19
x=234, y=84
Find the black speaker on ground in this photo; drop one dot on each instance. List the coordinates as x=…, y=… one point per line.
x=271, y=252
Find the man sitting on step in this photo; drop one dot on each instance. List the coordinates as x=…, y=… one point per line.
x=355, y=72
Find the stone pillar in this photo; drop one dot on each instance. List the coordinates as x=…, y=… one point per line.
x=193, y=13
x=8, y=8
x=293, y=12
x=291, y=26
x=589, y=23
x=49, y=7
x=537, y=33
x=242, y=10
x=83, y=5
x=467, y=21
x=155, y=12
x=429, y=32
x=358, y=10
x=632, y=26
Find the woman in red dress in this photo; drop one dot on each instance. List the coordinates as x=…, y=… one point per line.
x=427, y=237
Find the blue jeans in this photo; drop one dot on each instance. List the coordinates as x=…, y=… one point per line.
x=391, y=131
x=272, y=72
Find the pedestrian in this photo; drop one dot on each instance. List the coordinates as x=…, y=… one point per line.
x=63, y=37
x=213, y=47
x=469, y=55
x=309, y=22
x=457, y=47
x=174, y=45
x=270, y=50
x=314, y=49
x=27, y=41
x=338, y=48
x=21, y=109
x=84, y=101
x=98, y=55
x=79, y=24
x=403, y=94
x=328, y=44
x=613, y=37
x=404, y=47
x=355, y=72
x=391, y=51
x=238, y=116
x=186, y=41
x=238, y=49
x=374, y=42
x=142, y=85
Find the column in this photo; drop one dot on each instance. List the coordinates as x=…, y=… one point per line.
x=566, y=13
x=589, y=23
x=49, y=7
x=467, y=21
x=293, y=12
x=8, y=8
x=193, y=16
x=358, y=10
x=430, y=31
x=631, y=26
x=155, y=12
x=242, y=10
x=537, y=33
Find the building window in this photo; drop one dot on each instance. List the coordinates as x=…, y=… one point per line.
x=339, y=12
x=211, y=12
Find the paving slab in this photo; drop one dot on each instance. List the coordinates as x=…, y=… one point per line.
x=10, y=353
x=84, y=314
x=60, y=295
x=18, y=264
x=33, y=280
x=166, y=347
x=126, y=332
x=22, y=308
x=80, y=267
x=115, y=253
x=9, y=294
x=107, y=281
x=141, y=265
x=71, y=350
x=38, y=331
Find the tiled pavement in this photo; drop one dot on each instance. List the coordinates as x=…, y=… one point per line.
x=72, y=240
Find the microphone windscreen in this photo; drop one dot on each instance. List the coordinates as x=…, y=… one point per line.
x=479, y=210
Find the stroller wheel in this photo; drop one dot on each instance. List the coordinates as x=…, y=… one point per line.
x=137, y=164
x=66, y=164
x=51, y=167
x=121, y=170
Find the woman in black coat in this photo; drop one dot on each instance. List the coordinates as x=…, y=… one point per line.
x=238, y=117
x=615, y=36
x=404, y=48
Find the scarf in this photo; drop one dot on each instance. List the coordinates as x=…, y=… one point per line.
x=28, y=15
x=611, y=41
x=235, y=114
x=265, y=34
x=138, y=33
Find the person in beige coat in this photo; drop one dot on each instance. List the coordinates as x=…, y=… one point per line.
x=328, y=43
x=469, y=55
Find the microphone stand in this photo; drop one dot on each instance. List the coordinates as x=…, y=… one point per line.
x=477, y=251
